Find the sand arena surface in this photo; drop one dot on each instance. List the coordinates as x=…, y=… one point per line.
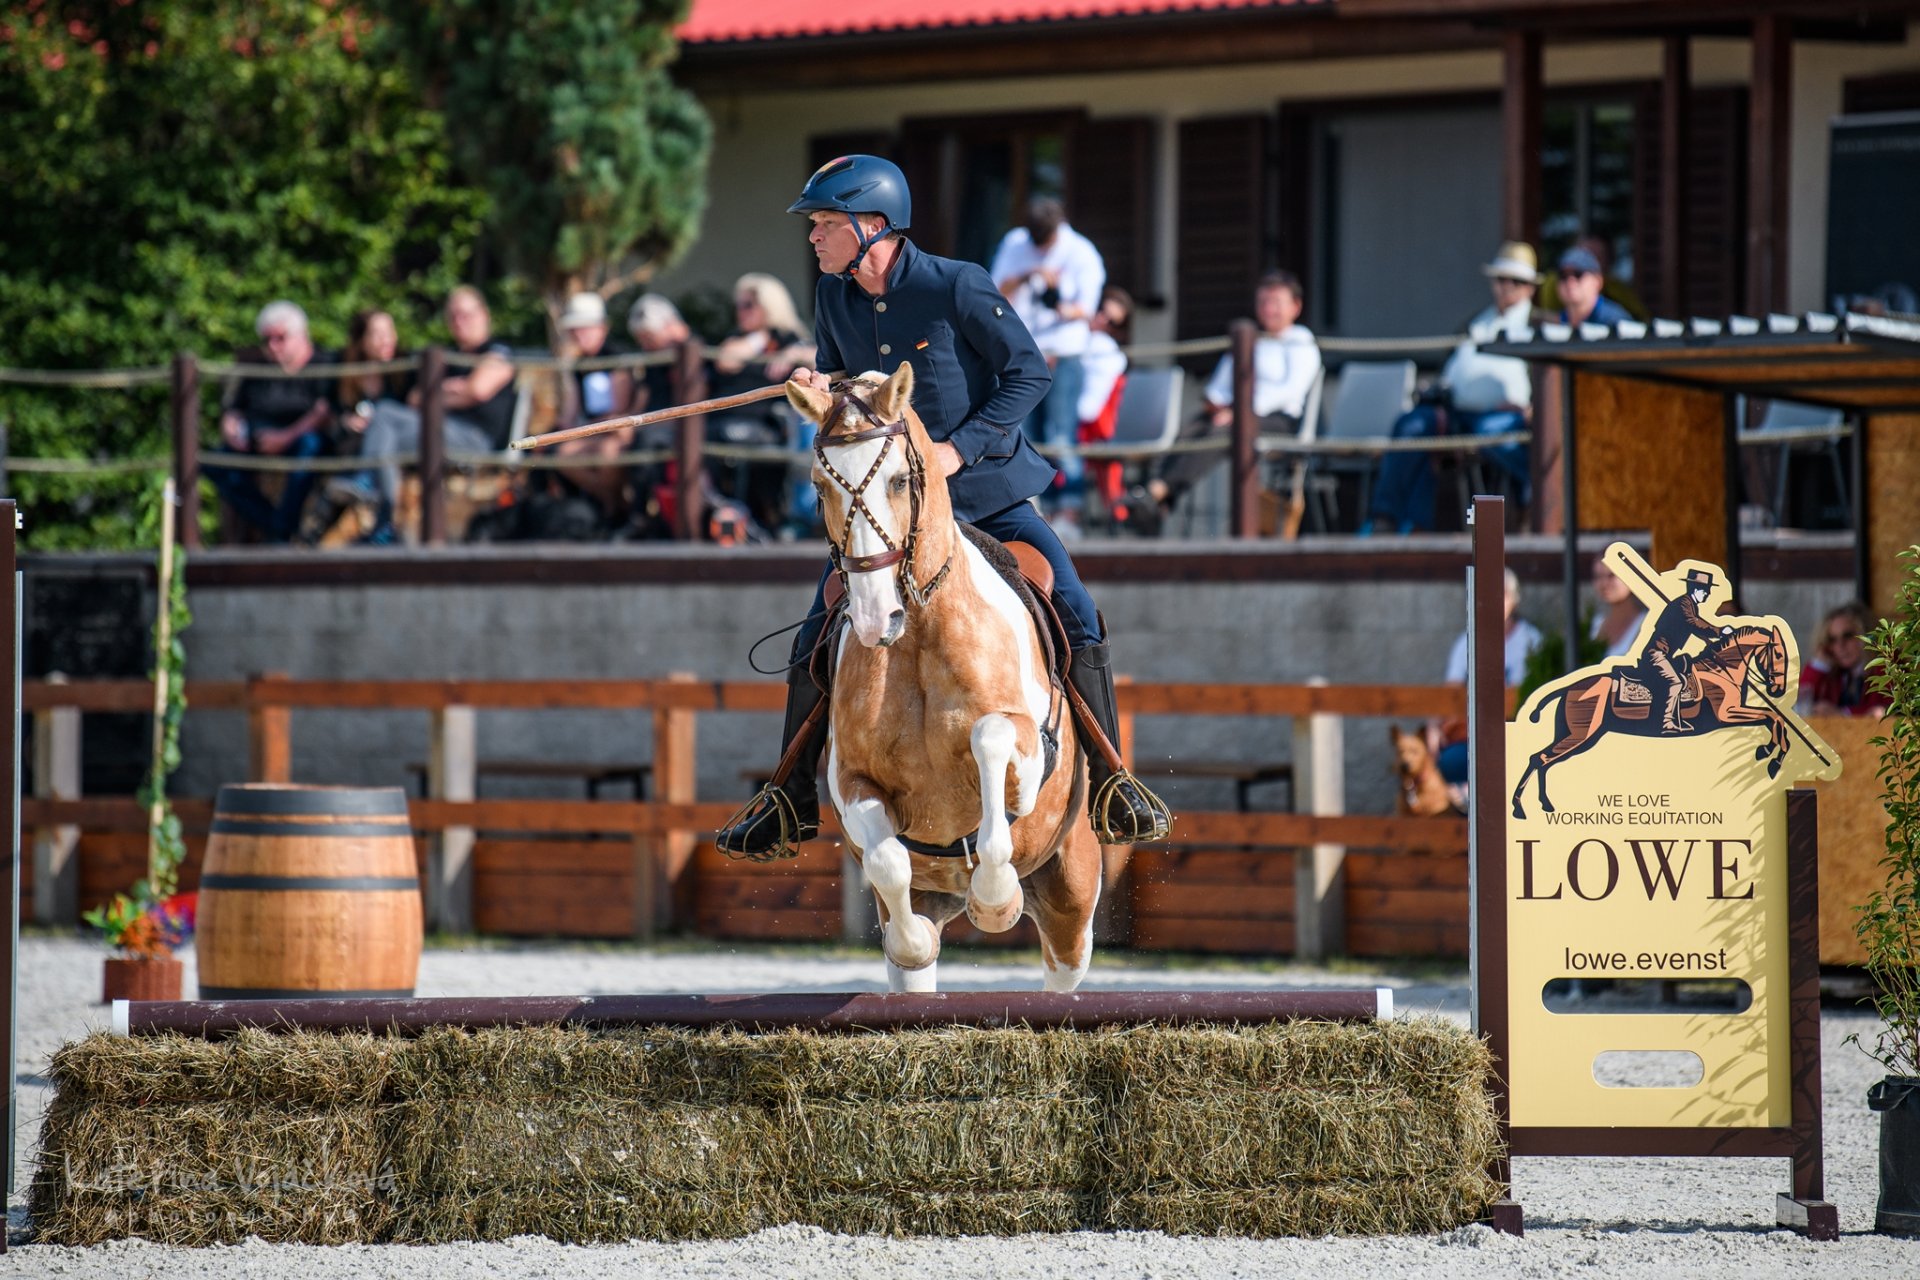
x=1666, y=1218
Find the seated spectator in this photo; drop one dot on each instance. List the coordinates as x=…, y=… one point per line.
x=1581, y=302
x=591, y=395
x=768, y=343
x=1617, y=613
x=1612, y=287
x=279, y=417
x=1834, y=681
x=1448, y=738
x=1286, y=361
x=1105, y=367
x=1476, y=394
x=1053, y=277
x=479, y=404
x=372, y=337
x=656, y=326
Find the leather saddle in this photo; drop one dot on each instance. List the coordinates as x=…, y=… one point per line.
x=1021, y=567
x=1633, y=692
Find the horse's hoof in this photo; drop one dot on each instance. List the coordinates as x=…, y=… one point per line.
x=1760, y=752
x=1773, y=768
x=1518, y=812
x=1546, y=806
x=996, y=919
x=911, y=961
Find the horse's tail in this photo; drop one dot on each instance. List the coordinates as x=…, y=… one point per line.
x=1541, y=705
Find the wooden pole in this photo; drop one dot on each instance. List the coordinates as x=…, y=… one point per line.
x=1521, y=106
x=162, y=673
x=1675, y=86
x=1769, y=162
x=269, y=733
x=690, y=375
x=186, y=445
x=649, y=418
x=1246, y=431
x=433, y=447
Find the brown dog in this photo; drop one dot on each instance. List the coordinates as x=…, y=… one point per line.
x=1422, y=791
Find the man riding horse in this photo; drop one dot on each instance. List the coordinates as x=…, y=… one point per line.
x=882, y=302
x=1678, y=623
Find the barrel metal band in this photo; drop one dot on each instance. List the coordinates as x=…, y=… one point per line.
x=357, y=802
x=287, y=884
x=323, y=830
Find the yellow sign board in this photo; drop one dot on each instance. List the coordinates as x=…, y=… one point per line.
x=1647, y=841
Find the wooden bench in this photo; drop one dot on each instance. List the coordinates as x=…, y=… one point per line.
x=594, y=774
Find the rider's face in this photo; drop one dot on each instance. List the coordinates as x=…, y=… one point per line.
x=1699, y=595
x=833, y=240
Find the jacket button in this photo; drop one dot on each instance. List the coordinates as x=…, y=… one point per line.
x=885, y=350
x=879, y=306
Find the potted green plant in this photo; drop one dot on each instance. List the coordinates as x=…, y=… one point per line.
x=1889, y=926
x=147, y=922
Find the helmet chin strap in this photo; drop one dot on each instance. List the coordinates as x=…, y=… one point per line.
x=866, y=242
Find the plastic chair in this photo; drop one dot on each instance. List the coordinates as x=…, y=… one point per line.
x=1781, y=416
x=1370, y=398
x=1149, y=408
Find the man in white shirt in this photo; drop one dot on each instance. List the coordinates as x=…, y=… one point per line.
x=1053, y=276
x=1483, y=396
x=1286, y=362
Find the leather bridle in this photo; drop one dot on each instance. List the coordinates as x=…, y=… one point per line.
x=901, y=553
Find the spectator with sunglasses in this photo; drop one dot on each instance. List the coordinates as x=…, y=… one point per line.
x=1834, y=681
x=1581, y=280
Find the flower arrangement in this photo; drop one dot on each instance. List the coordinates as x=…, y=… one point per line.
x=142, y=927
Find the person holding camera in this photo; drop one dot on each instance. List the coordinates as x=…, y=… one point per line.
x=1053, y=276
x=1476, y=394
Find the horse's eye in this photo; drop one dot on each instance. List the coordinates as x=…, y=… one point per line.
x=899, y=484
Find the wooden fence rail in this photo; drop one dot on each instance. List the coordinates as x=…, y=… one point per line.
x=646, y=846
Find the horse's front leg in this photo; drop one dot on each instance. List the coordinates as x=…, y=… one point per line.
x=1000, y=743
x=910, y=941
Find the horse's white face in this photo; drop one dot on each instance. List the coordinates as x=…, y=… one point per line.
x=875, y=606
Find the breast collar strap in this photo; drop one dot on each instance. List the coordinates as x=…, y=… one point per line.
x=901, y=553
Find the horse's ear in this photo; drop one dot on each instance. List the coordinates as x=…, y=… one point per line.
x=813, y=403
x=895, y=394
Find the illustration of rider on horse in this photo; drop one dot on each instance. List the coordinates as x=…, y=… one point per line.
x=1679, y=622
x=882, y=302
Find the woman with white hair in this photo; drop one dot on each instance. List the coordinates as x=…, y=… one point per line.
x=768, y=343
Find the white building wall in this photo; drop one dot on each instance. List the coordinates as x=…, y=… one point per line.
x=761, y=139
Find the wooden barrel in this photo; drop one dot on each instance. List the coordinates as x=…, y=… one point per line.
x=306, y=892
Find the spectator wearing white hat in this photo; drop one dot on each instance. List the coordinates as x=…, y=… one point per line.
x=592, y=395
x=1476, y=394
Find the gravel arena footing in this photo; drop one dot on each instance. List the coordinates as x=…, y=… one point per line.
x=1673, y=1219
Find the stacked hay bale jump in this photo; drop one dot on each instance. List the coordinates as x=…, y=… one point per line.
x=582, y=1129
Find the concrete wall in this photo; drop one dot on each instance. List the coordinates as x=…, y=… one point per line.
x=1278, y=631
x=760, y=139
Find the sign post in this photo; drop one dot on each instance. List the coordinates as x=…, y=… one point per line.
x=1634, y=825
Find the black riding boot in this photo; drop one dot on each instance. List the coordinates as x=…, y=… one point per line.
x=1122, y=808
x=775, y=822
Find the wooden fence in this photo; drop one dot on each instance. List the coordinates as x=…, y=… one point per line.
x=1312, y=882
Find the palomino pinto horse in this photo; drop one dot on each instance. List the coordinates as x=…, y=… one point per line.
x=1592, y=707
x=944, y=715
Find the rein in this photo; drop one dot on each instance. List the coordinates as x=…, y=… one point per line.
x=901, y=553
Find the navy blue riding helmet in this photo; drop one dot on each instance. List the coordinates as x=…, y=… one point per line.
x=859, y=184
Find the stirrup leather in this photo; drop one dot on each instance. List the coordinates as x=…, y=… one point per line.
x=778, y=809
x=1133, y=797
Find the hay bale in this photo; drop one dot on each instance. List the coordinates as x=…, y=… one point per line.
x=1302, y=1128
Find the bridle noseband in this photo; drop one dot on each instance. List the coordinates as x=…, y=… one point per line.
x=902, y=553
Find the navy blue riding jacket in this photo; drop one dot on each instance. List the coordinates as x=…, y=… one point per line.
x=976, y=371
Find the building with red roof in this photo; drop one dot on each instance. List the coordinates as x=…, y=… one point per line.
x=1378, y=148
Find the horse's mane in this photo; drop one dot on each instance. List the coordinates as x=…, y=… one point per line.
x=1720, y=648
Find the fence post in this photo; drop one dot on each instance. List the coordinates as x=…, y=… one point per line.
x=1246, y=433
x=453, y=759
x=433, y=446
x=56, y=776
x=1113, y=918
x=690, y=384
x=186, y=445
x=1319, y=872
x=660, y=862
x=269, y=734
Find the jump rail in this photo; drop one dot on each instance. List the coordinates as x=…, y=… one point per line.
x=839, y=1012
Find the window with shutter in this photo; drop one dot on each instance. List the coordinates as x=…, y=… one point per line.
x=1111, y=201
x=1223, y=212
x=1714, y=231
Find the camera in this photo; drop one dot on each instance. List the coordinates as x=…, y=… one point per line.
x=1045, y=292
